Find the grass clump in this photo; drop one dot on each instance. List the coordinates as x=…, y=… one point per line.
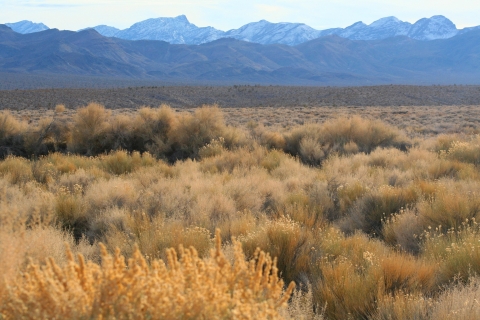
x=186, y=287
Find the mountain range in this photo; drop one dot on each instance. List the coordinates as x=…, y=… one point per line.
x=26, y=26
x=179, y=30
x=328, y=60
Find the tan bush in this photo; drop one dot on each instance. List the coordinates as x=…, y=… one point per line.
x=403, y=231
x=456, y=251
x=17, y=170
x=458, y=302
x=286, y=240
x=60, y=108
x=188, y=287
x=450, y=207
x=90, y=125
x=11, y=134
x=152, y=130
x=370, y=211
x=313, y=142
x=195, y=131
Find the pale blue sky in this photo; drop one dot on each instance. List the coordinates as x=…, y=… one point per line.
x=229, y=14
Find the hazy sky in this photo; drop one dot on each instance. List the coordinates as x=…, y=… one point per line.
x=229, y=14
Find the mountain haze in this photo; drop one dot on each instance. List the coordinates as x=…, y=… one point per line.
x=322, y=61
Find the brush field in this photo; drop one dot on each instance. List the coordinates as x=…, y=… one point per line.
x=306, y=212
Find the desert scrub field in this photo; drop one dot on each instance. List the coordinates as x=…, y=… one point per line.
x=368, y=221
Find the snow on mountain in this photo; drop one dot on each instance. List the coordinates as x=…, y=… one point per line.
x=437, y=27
x=176, y=30
x=380, y=29
x=265, y=32
x=352, y=30
x=26, y=26
x=179, y=30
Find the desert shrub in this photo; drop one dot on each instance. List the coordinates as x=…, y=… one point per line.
x=115, y=192
x=347, y=290
x=11, y=135
x=196, y=130
x=442, y=168
x=24, y=243
x=38, y=139
x=288, y=242
x=449, y=207
x=152, y=130
x=120, y=162
x=44, y=171
x=124, y=229
x=301, y=306
x=343, y=196
x=464, y=151
x=459, y=302
x=269, y=139
x=236, y=137
x=119, y=135
x=311, y=151
x=230, y=160
x=214, y=148
x=354, y=275
x=457, y=252
x=366, y=134
x=405, y=274
x=314, y=142
x=89, y=129
x=403, y=306
x=369, y=211
x=70, y=210
x=60, y=108
x=272, y=160
x=403, y=230
x=212, y=288
x=444, y=142
x=17, y=170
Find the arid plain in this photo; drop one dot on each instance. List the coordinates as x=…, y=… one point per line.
x=364, y=198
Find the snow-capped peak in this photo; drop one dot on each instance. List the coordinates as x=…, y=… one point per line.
x=437, y=27
x=26, y=26
x=181, y=31
x=384, y=21
x=266, y=32
x=174, y=30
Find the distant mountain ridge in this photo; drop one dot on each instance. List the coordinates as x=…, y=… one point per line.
x=26, y=26
x=328, y=60
x=179, y=30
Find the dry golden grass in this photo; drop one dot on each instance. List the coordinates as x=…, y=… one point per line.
x=369, y=222
x=187, y=287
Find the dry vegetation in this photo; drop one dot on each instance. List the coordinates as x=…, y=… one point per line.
x=369, y=221
x=236, y=96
